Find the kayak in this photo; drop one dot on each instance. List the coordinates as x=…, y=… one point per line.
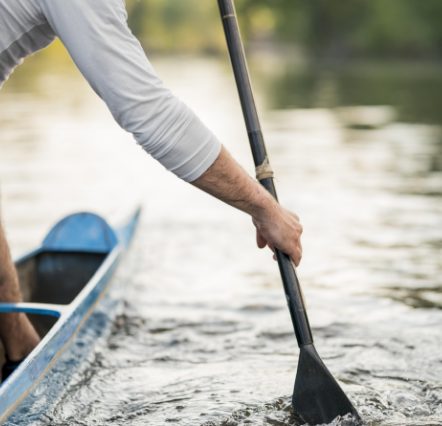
x=64, y=284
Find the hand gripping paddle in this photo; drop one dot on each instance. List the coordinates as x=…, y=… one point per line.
x=317, y=397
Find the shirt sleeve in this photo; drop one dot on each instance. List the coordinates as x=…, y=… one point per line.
x=97, y=37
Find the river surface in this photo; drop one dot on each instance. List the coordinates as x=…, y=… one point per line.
x=204, y=336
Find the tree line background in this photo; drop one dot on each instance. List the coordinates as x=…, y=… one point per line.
x=341, y=29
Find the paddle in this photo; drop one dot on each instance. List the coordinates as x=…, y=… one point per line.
x=317, y=397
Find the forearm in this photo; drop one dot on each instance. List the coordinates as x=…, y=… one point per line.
x=275, y=226
x=229, y=182
x=16, y=332
x=9, y=289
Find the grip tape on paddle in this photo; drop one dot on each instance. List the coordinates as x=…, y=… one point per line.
x=264, y=170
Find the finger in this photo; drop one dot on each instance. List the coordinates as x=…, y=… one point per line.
x=260, y=240
x=274, y=257
x=295, y=216
x=271, y=247
x=300, y=229
x=296, y=256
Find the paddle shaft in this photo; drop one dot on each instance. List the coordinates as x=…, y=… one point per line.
x=237, y=56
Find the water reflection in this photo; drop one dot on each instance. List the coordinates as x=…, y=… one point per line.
x=204, y=336
x=413, y=89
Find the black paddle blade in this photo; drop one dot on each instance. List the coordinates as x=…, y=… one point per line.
x=317, y=397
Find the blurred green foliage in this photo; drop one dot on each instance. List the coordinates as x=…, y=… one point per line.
x=356, y=27
x=413, y=89
x=176, y=25
x=334, y=28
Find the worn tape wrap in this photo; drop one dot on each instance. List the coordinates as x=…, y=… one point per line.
x=264, y=170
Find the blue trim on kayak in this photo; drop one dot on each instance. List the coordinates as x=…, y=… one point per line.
x=72, y=316
x=125, y=233
x=33, y=308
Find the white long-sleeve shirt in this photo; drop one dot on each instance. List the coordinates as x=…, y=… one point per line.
x=97, y=37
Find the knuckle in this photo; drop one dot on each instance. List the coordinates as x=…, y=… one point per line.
x=298, y=256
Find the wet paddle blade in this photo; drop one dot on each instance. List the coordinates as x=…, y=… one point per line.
x=317, y=397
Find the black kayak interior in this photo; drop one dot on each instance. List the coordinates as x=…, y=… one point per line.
x=55, y=277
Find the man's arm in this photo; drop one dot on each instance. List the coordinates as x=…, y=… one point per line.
x=96, y=34
x=97, y=37
x=16, y=332
x=275, y=226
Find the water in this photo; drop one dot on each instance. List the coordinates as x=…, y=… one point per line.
x=204, y=336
